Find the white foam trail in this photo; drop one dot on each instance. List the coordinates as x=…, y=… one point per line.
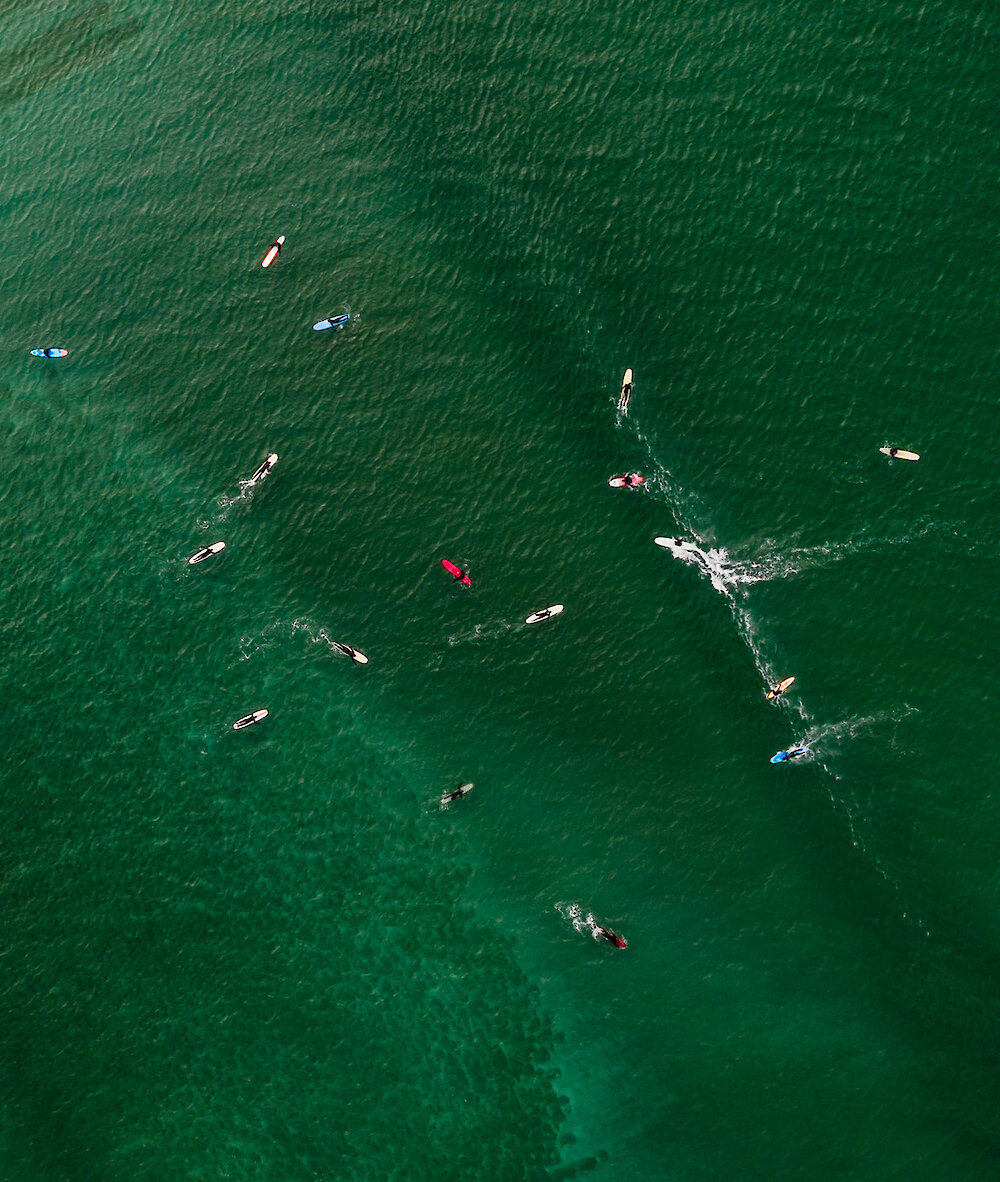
x=283, y=630
x=225, y=504
x=481, y=632
x=573, y=912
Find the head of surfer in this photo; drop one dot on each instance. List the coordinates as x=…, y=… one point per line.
x=893, y=450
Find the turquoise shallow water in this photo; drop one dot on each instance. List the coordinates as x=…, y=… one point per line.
x=272, y=954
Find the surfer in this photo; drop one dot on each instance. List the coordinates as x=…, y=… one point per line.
x=893, y=450
x=626, y=393
x=461, y=790
x=777, y=690
x=609, y=935
x=273, y=251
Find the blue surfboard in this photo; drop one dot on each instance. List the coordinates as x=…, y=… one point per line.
x=49, y=352
x=789, y=755
x=332, y=322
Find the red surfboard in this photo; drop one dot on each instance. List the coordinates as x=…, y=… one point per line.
x=456, y=572
x=274, y=251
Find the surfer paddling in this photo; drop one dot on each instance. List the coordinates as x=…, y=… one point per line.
x=456, y=572
x=610, y=936
x=602, y=933
x=777, y=690
x=273, y=251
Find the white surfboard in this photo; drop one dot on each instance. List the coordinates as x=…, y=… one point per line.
x=626, y=393
x=274, y=251
x=545, y=614
x=356, y=656
x=263, y=470
x=457, y=793
x=249, y=719
x=677, y=545
x=897, y=453
x=206, y=552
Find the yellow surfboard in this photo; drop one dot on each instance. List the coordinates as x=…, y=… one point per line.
x=897, y=453
x=779, y=688
x=626, y=393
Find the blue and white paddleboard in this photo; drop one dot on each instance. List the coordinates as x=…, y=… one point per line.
x=789, y=755
x=49, y=352
x=332, y=322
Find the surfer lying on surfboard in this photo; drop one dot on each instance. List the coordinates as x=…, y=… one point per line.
x=457, y=793
x=602, y=933
x=777, y=690
x=456, y=572
x=627, y=481
x=789, y=755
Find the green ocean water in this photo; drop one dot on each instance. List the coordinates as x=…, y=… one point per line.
x=271, y=954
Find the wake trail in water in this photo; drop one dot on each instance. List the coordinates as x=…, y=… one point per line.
x=226, y=502
x=281, y=632
x=733, y=578
x=482, y=632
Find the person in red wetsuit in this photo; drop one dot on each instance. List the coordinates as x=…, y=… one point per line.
x=610, y=936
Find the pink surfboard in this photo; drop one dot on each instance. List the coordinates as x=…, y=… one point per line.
x=629, y=480
x=456, y=572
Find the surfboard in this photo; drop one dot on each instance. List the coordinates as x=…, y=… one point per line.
x=274, y=251
x=331, y=322
x=456, y=572
x=629, y=480
x=789, y=755
x=249, y=719
x=779, y=688
x=49, y=352
x=457, y=793
x=206, y=552
x=263, y=470
x=545, y=614
x=603, y=933
x=357, y=657
x=681, y=545
x=897, y=453
x=626, y=393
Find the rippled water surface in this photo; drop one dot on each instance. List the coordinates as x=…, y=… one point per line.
x=273, y=953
